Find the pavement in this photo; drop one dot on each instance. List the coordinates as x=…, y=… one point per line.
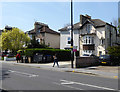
x=65, y=66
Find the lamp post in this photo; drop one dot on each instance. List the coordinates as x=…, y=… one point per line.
x=72, y=54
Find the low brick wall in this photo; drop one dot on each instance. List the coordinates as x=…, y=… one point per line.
x=86, y=61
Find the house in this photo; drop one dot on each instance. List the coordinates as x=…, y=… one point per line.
x=44, y=35
x=65, y=37
x=91, y=36
x=1, y=31
x=8, y=27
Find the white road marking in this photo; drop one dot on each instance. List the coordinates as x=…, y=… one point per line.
x=27, y=74
x=105, y=88
x=67, y=82
x=68, y=86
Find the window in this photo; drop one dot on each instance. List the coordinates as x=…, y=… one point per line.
x=89, y=40
x=88, y=28
x=92, y=40
x=86, y=40
x=39, y=30
x=102, y=41
x=87, y=52
x=69, y=40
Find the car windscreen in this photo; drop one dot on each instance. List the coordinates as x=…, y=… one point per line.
x=104, y=57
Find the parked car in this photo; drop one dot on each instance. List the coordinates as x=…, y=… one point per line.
x=10, y=55
x=2, y=54
x=108, y=60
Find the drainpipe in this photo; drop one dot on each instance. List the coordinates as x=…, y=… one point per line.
x=110, y=35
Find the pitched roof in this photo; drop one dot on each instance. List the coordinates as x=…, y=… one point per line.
x=48, y=30
x=44, y=29
x=75, y=26
x=31, y=31
x=39, y=23
x=98, y=22
x=95, y=22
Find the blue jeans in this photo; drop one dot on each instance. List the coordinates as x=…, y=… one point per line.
x=55, y=61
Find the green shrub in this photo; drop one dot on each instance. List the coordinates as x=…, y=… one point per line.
x=114, y=50
x=2, y=58
x=61, y=54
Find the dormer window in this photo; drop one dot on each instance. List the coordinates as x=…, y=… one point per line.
x=102, y=41
x=39, y=30
x=88, y=28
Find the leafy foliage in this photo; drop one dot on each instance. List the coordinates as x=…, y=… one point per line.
x=61, y=54
x=35, y=44
x=119, y=25
x=13, y=39
x=114, y=50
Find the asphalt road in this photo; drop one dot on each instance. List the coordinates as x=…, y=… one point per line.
x=17, y=77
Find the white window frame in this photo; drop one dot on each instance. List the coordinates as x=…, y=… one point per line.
x=88, y=40
x=102, y=41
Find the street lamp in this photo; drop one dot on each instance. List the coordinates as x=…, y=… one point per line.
x=72, y=54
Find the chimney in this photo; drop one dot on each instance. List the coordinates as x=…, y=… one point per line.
x=83, y=18
x=35, y=26
x=89, y=17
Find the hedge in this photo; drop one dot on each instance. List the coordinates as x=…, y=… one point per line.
x=114, y=50
x=62, y=55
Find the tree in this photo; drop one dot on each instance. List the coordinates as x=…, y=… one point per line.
x=66, y=25
x=13, y=40
x=119, y=25
x=114, y=50
x=115, y=22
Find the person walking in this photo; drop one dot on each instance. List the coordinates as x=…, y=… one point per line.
x=18, y=57
x=55, y=60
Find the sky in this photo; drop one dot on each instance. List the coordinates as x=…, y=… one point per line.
x=55, y=14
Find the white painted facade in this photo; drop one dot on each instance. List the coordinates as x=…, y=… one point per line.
x=65, y=37
x=101, y=39
x=92, y=37
x=98, y=36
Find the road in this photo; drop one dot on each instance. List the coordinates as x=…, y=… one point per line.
x=17, y=77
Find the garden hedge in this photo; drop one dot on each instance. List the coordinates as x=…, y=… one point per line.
x=62, y=55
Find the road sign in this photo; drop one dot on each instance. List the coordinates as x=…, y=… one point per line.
x=74, y=48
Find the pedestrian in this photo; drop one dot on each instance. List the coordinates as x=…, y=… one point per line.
x=55, y=60
x=18, y=57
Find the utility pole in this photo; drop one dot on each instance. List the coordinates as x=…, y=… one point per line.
x=72, y=54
